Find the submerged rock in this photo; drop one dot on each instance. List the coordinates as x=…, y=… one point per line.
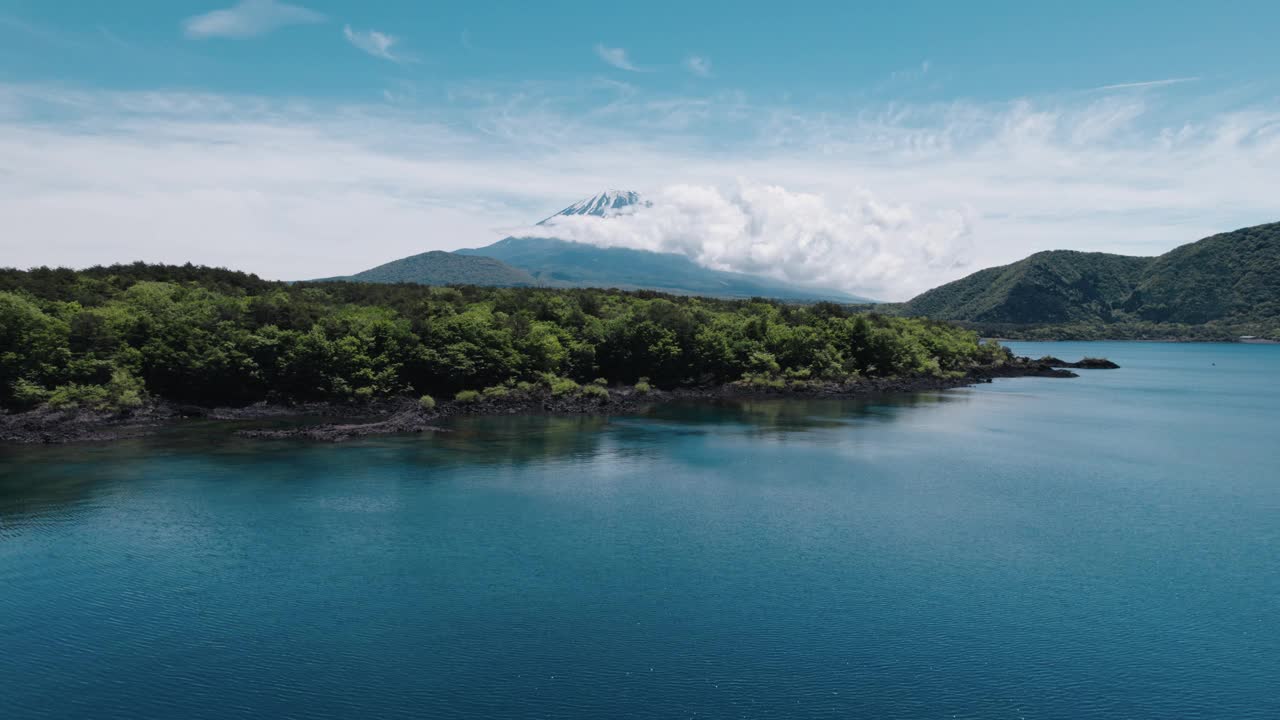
x=409, y=421
x=1096, y=364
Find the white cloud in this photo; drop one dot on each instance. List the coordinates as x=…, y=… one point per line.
x=248, y=18
x=883, y=201
x=373, y=42
x=616, y=57
x=698, y=65
x=855, y=241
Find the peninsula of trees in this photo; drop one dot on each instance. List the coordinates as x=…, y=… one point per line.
x=116, y=337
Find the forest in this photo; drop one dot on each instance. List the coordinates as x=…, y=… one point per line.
x=115, y=337
x=1219, y=288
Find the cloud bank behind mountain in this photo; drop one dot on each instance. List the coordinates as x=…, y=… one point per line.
x=855, y=242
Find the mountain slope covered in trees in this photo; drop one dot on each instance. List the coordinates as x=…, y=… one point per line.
x=1232, y=276
x=1053, y=286
x=444, y=268
x=1230, y=280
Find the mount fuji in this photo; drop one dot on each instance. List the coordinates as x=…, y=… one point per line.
x=606, y=204
x=548, y=261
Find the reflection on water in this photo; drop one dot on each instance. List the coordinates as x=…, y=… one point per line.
x=773, y=415
x=41, y=481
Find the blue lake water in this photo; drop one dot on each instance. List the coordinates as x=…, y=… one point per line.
x=1104, y=547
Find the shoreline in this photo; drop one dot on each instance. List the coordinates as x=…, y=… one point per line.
x=408, y=417
x=1162, y=341
x=345, y=421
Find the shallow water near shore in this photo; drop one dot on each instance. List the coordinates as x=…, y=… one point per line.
x=1097, y=547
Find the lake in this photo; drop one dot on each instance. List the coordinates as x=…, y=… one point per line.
x=1103, y=547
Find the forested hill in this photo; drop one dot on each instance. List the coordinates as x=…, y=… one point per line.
x=1048, y=287
x=112, y=337
x=1231, y=280
x=1231, y=276
x=444, y=268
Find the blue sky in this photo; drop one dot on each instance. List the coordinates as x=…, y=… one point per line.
x=823, y=49
x=883, y=147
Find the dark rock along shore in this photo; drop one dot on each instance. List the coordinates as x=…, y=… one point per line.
x=1086, y=363
x=405, y=415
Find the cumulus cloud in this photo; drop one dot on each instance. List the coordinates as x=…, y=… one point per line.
x=373, y=42
x=248, y=18
x=616, y=57
x=856, y=241
x=698, y=65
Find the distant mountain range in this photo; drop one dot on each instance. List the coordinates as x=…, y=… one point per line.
x=552, y=262
x=1233, y=277
x=1227, y=279
x=560, y=263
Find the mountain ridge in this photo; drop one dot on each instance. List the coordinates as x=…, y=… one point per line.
x=555, y=262
x=437, y=267
x=1231, y=277
x=564, y=263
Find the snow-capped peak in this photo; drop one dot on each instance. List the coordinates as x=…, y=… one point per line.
x=606, y=204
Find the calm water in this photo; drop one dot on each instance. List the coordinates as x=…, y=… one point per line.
x=1104, y=547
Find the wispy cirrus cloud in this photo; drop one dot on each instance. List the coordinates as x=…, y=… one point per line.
x=1149, y=83
x=616, y=57
x=377, y=44
x=249, y=18
x=698, y=65
x=9, y=22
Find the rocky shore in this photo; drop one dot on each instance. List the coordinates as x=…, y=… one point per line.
x=1085, y=364
x=406, y=415
x=49, y=426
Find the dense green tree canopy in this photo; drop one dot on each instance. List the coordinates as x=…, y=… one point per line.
x=1220, y=287
x=107, y=336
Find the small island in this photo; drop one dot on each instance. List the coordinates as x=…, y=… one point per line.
x=117, y=351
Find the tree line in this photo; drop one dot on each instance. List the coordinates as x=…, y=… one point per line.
x=111, y=337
